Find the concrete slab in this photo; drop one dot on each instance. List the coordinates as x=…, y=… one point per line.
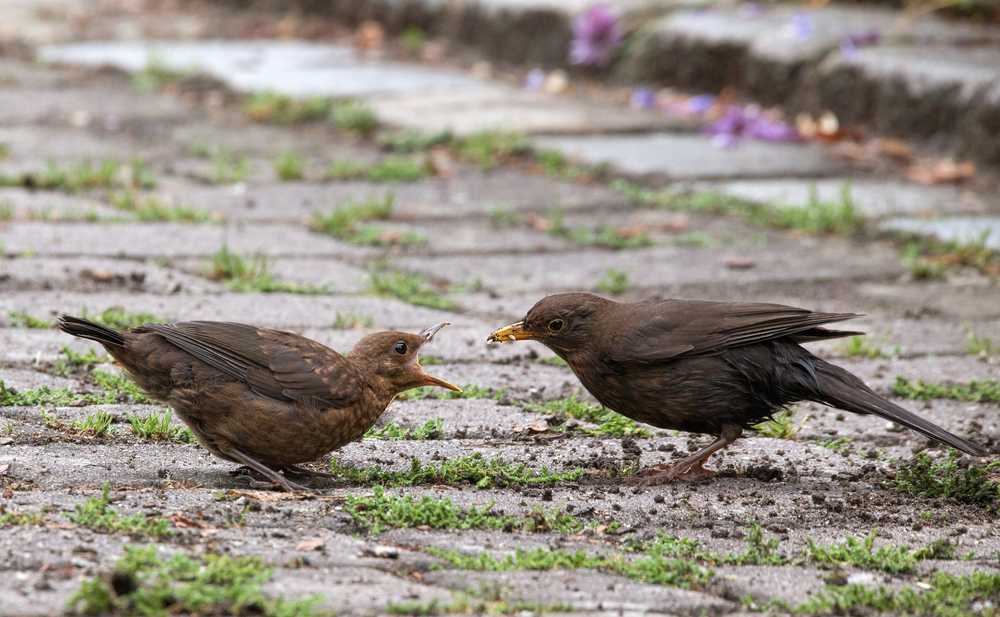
x=694, y=157
x=959, y=229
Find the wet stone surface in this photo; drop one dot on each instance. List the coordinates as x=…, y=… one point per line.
x=829, y=480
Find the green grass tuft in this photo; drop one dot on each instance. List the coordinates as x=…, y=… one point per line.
x=409, y=287
x=382, y=511
x=289, y=167
x=944, y=478
x=253, y=275
x=473, y=469
x=488, y=149
x=21, y=319
x=781, y=425
x=432, y=429
x=117, y=318
x=347, y=223
x=96, y=424
x=614, y=282
x=281, y=109
x=153, y=209
x=987, y=390
x=158, y=427
x=97, y=514
x=352, y=321
x=411, y=140
x=145, y=584
x=609, y=423
x=355, y=117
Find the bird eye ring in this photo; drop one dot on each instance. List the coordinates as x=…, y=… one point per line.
x=399, y=347
x=555, y=325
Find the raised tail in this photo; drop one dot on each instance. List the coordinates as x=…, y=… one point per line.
x=90, y=330
x=839, y=388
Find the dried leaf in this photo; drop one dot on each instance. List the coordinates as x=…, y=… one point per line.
x=184, y=522
x=943, y=171
x=739, y=263
x=310, y=544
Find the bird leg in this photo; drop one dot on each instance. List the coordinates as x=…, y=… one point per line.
x=264, y=470
x=692, y=466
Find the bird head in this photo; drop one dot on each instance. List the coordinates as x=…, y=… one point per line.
x=393, y=356
x=561, y=322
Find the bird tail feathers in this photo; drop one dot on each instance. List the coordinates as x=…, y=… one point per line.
x=90, y=330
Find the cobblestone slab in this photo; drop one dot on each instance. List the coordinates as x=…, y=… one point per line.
x=32, y=205
x=872, y=198
x=694, y=157
x=959, y=229
x=142, y=240
x=282, y=310
x=659, y=266
x=98, y=275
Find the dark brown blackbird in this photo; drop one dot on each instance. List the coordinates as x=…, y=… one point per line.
x=264, y=398
x=703, y=367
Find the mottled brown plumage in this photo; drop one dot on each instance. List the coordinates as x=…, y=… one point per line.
x=265, y=398
x=703, y=367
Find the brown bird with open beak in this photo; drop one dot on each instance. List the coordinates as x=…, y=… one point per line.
x=703, y=367
x=264, y=398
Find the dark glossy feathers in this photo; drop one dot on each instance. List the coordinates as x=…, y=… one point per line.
x=663, y=330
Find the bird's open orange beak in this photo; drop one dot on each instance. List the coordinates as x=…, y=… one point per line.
x=430, y=380
x=509, y=334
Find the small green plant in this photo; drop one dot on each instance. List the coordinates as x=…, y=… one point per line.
x=413, y=40
x=36, y=397
x=986, y=390
x=347, y=223
x=355, y=117
x=431, y=429
x=281, y=109
x=142, y=583
x=979, y=345
x=346, y=170
x=489, y=149
x=118, y=318
x=928, y=258
x=474, y=469
x=614, y=282
x=816, y=216
x=758, y=552
x=554, y=361
x=398, y=169
x=95, y=425
x=72, y=361
x=861, y=553
x=21, y=319
x=156, y=75
x=943, y=595
x=253, y=275
x=6, y=211
x=927, y=477
x=12, y=518
x=503, y=218
x=153, y=209
x=861, y=347
x=352, y=321
x=412, y=140
x=698, y=239
x=229, y=168
x=601, y=236
x=158, y=427
x=781, y=425
x=409, y=287
x=609, y=423
x=382, y=511
x=96, y=513
x=116, y=388
x=289, y=167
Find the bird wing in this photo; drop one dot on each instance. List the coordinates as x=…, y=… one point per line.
x=279, y=365
x=671, y=329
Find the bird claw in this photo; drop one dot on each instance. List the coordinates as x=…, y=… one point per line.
x=664, y=474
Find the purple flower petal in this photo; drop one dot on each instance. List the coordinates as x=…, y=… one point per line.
x=643, y=98
x=731, y=123
x=596, y=34
x=701, y=103
x=766, y=129
x=802, y=26
x=534, y=80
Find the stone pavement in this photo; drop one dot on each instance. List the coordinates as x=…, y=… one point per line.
x=147, y=238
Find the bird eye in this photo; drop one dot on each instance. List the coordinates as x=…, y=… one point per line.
x=555, y=325
x=399, y=347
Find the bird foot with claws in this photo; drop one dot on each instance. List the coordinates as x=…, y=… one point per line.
x=664, y=474
x=258, y=480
